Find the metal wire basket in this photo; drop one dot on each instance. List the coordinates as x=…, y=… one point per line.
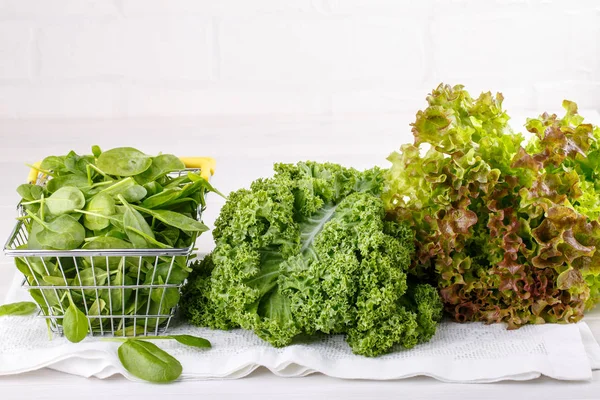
x=141, y=303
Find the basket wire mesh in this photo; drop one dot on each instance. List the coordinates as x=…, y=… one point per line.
x=154, y=301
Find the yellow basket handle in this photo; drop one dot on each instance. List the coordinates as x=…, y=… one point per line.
x=33, y=173
x=205, y=164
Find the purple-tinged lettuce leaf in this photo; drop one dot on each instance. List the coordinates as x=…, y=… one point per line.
x=507, y=229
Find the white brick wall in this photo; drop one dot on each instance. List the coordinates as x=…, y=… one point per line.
x=16, y=48
x=132, y=48
x=137, y=58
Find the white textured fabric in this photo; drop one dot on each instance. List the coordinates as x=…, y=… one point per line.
x=458, y=353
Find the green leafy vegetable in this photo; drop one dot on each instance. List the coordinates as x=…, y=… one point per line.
x=58, y=182
x=134, y=330
x=192, y=341
x=63, y=233
x=508, y=229
x=97, y=307
x=75, y=324
x=309, y=251
x=161, y=166
x=135, y=193
x=147, y=361
x=20, y=308
x=96, y=151
x=30, y=192
x=65, y=200
x=135, y=223
x=175, y=219
x=101, y=204
x=123, y=161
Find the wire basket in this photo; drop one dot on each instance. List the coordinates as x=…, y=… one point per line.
x=123, y=292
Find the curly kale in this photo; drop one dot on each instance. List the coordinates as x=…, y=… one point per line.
x=508, y=230
x=307, y=251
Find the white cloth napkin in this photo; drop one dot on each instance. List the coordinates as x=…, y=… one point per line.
x=471, y=352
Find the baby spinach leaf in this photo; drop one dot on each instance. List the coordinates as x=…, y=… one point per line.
x=161, y=166
x=150, y=240
x=117, y=233
x=193, y=186
x=175, y=219
x=147, y=361
x=168, y=296
x=64, y=233
x=157, y=309
x=176, y=195
x=123, y=161
x=161, y=198
x=96, y=151
x=107, y=242
x=177, y=275
x=135, y=330
x=76, y=164
x=32, y=241
x=92, y=277
x=135, y=223
x=30, y=192
x=75, y=324
x=115, y=298
x=134, y=193
x=169, y=235
x=127, y=188
x=188, y=340
x=54, y=163
x=193, y=341
x=172, y=183
x=37, y=265
x=54, y=280
x=77, y=181
x=65, y=200
x=206, y=184
x=117, y=222
x=96, y=310
x=102, y=204
x=22, y=266
x=118, y=187
x=20, y=308
x=136, y=308
x=49, y=297
x=153, y=188
x=97, y=307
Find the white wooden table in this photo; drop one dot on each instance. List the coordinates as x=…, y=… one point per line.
x=245, y=148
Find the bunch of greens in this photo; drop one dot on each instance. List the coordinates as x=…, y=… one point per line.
x=117, y=199
x=309, y=251
x=121, y=198
x=508, y=230
x=139, y=356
